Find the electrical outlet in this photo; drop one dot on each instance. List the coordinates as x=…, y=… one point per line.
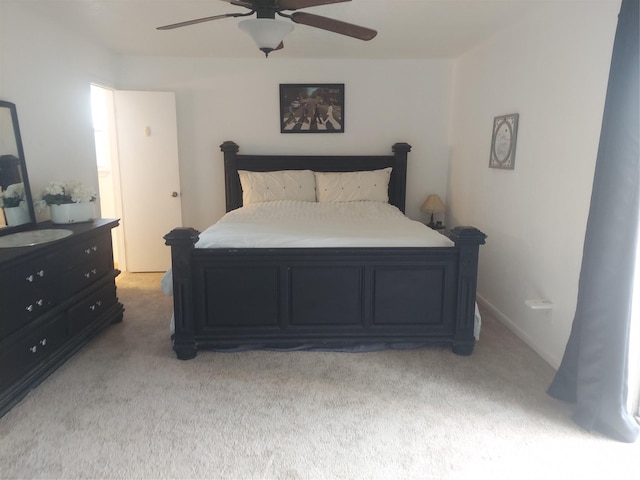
x=539, y=304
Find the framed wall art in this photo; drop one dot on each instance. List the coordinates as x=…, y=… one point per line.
x=503, y=142
x=312, y=108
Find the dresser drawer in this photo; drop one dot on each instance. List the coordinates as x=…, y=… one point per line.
x=34, y=273
x=19, y=311
x=91, y=307
x=29, y=350
x=27, y=291
x=83, y=264
x=88, y=250
x=85, y=273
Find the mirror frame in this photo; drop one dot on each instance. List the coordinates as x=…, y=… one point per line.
x=23, y=171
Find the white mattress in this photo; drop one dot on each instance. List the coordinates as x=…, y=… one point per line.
x=291, y=224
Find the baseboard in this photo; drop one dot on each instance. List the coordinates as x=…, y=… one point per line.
x=519, y=332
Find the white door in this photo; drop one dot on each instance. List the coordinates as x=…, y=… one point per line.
x=149, y=178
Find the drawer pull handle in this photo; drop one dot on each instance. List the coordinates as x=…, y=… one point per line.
x=39, y=303
x=93, y=271
x=31, y=278
x=43, y=342
x=95, y=305
x=33, y=349
x=94, y=248
x=91, y=249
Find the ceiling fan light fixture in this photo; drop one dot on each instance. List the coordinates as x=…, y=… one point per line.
x=268, y=33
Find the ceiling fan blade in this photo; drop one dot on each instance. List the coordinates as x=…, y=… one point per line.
x=240, y=3
x=298, y=4
x=336, y=26
x=199, y=20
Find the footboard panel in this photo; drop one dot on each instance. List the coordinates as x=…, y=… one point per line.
x=302, y=295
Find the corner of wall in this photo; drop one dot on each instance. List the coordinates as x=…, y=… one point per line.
x=551, y=358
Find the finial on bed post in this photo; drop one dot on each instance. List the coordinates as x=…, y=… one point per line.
x=233, y=191
x=401, y=147
x=229, y=146
x=468, y=241
x=400, y=151
x=182, y=241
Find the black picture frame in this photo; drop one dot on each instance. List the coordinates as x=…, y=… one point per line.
x=503, y=142
x=312, y=108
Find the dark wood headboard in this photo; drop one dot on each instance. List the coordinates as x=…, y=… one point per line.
x=318, y=163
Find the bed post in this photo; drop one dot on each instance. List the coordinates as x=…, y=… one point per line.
x=182, y=241
x=400, y=151
x=233, y=191
x=468, y=241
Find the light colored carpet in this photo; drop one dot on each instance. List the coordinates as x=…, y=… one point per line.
x=125, y=407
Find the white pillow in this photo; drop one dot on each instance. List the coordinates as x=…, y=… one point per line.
x=372, y=185
x=277, y=185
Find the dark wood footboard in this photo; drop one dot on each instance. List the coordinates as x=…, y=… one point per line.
x=323, y=297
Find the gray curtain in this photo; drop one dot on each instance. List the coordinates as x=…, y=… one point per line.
x=593, y=373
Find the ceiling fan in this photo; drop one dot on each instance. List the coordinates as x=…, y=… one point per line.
x=268, y=32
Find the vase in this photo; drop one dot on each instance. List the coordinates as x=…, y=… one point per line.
x=72, y=212
x=16, y=216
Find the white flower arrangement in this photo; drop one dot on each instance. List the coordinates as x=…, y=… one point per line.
x=13, y=196
x=58, y=193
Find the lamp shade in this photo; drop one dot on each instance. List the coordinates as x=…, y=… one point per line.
x=432, y=204
x=266, y=32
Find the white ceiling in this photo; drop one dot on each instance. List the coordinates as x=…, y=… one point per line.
x=406, y=28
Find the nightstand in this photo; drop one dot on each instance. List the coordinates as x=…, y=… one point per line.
x=438, y=226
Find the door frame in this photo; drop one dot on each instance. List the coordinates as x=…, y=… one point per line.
x=113, y=184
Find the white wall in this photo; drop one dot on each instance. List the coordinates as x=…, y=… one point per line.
x=47, y=73
x=552, y=69
x=217, y=100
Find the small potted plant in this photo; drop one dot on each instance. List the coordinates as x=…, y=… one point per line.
x=69, y=202
x=14, y=206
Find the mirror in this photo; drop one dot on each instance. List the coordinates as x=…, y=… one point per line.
x=16, y=204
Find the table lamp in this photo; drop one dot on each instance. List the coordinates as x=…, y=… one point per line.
x=432, y=204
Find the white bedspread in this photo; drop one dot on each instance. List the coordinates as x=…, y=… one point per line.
x=291, y=224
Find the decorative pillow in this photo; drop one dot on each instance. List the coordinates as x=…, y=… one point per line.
x=277, y=185
x=371, y=185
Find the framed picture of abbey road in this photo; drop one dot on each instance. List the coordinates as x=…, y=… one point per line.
x=312, y=108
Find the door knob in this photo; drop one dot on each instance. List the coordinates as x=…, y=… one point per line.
x=174, y=194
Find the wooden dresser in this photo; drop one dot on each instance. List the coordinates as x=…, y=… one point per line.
x=54, y=297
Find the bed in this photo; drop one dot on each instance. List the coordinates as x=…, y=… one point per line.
x=333, y=296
